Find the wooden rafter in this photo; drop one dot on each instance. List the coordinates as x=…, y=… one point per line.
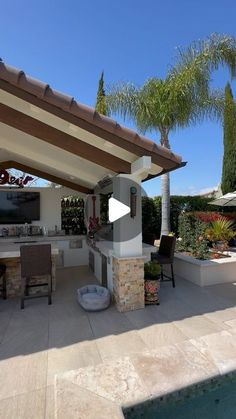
x=62, y=140
x=11, y=164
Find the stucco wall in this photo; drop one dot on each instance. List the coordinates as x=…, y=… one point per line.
x=50, y=205
x=205, y=272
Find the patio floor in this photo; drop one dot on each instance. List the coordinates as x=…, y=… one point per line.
x=189, y=337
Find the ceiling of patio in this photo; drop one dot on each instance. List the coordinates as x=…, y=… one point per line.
x=71, y=145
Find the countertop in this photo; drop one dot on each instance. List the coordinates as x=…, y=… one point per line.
x=106, y=247
x=13, y=250
x=40, y=239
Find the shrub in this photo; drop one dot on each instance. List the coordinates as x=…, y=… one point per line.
x=151, y=220
x=199, y=245
x=185, y=232
x=192, y=236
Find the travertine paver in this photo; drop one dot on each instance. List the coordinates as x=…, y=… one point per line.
x=117, y=381
x=219, y=348
x=189, y=337
x=24, y=406
x=173, y=367
x=133, y=379
x=74, y=402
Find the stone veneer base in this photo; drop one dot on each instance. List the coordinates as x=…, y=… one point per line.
x=13, y=278
x=128, y=283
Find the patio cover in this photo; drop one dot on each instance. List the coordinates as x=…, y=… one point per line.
x=50, y=135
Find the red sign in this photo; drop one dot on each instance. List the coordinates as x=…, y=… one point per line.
x=7, y=179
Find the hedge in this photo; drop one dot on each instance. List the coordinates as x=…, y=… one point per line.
x=151, y=212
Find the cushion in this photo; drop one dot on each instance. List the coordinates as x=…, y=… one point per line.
x=93, y=297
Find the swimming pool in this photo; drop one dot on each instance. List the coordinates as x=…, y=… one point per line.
x=213, y=399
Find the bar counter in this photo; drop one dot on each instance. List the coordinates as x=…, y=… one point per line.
x=10, y=256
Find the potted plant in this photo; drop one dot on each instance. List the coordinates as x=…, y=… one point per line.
x=152, y=278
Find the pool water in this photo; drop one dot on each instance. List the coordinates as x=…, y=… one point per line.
x=211, y=400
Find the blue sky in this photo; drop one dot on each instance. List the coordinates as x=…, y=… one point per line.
x=68, y=44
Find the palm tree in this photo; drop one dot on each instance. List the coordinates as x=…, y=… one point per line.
x=183, y=98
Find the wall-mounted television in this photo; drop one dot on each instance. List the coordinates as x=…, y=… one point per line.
x=19, y=207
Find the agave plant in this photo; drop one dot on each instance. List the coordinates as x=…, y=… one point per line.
x=220, y=230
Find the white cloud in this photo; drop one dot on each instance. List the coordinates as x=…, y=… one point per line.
x=193, y=190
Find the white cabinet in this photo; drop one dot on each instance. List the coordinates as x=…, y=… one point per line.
x=73, y=256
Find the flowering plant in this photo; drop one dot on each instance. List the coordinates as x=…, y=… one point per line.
x=209, y=217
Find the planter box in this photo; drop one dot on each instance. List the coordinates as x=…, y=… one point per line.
x=205, y=272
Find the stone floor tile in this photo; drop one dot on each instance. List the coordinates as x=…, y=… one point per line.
x=71, y=357
x=221, y=315
x=115, y=346
x=219, y=348
x=196, y=326
x=224, y=291
x=29, y=405
x=23, y=373
x=4, y=323
x=231, y=323
x=69, y=330
x=146, y=317
x=172, y=367
x=74, y=402
x=50, y=402
x=75, y=338
x=161, y=335
x=110, y=322
x=116, y=381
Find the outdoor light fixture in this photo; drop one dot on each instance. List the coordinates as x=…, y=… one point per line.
x=133, y=201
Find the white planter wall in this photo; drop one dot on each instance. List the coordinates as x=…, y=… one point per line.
x=205, y=272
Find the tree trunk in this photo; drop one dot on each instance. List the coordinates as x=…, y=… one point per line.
x=165, y=204
x=165, y=192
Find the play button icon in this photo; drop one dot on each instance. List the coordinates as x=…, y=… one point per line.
x=117, y=209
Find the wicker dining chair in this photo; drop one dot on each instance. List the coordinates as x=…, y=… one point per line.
x=165, y=256
x=4, y=282
x=36, y=260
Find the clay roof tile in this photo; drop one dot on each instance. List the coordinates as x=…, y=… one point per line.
x=104, y=122
x=58, y=99
x=10, y=74
x=32, y=86
x=82, y=111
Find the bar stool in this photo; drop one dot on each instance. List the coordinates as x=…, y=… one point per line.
x=165, y=256
x=35, y=261
x=4, y=282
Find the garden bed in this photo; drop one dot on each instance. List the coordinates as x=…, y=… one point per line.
x=206, y=272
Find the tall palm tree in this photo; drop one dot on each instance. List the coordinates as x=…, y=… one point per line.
x=183, y=98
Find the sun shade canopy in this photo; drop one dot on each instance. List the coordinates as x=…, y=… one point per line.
x=228, y=200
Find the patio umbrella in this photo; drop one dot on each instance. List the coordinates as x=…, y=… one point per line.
x=228, y=200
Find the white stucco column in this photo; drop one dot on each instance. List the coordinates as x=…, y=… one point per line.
x=127, y=231
x=128, y=259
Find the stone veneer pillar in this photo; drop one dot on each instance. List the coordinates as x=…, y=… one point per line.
x=128, y=283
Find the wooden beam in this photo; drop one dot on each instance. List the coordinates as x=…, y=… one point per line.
x=129, y=145
x=62, y=140
x=11, y=164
